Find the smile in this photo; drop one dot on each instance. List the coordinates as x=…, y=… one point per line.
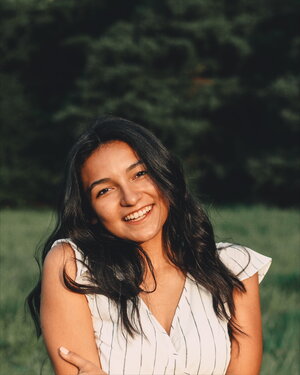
x=138, y=215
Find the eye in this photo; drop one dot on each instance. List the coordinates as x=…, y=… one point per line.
x=102, y=192
x=141, y=173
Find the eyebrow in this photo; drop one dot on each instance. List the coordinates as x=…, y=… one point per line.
x=106, y=179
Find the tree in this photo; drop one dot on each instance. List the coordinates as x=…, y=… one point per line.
x=217, y=81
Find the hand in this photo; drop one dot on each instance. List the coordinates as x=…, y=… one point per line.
x=85, y=367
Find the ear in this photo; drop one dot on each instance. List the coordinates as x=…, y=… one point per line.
x=94, y=220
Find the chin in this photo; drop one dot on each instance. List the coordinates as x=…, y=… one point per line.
x=146, y=238
x=139, y=239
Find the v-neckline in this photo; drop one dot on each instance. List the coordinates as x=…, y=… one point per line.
x=143, y=303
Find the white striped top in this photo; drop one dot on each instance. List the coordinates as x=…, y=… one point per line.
x=198, y=342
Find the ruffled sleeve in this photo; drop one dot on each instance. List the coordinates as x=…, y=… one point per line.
x=82, y=270
x=242, y=261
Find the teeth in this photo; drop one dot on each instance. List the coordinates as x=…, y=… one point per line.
x=138, y=214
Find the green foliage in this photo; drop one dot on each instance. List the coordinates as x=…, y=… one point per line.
x=217, y=81
x=273, y=232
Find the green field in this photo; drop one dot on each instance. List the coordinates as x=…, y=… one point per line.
x=274, y=232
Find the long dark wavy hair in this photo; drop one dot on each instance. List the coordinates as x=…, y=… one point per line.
x=117, y=266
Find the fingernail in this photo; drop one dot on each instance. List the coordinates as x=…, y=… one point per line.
x=63, y=350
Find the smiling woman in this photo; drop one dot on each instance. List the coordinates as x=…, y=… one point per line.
x=123, y=197
x=133, y=281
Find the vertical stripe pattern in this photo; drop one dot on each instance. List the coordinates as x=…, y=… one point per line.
x=198, y=342
x=211, y=330
x=155, y=341
x=198, y=333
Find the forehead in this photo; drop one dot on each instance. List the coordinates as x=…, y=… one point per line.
x=109, y=159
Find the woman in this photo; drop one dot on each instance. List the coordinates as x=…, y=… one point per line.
x=133, y=281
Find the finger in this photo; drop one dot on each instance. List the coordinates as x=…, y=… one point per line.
x=75, y=359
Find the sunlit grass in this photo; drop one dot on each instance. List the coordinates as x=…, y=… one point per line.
x=274, y=232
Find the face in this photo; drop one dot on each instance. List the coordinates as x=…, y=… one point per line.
x=122, y=194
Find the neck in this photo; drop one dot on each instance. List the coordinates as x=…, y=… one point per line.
x=156, y=251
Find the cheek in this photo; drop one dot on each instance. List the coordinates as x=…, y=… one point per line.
x=104, y=212
x=164, y=210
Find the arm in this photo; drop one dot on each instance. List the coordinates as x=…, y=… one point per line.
x=247, y=358
x=65, y=316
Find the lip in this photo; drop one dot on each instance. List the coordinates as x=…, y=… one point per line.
x=132, y=222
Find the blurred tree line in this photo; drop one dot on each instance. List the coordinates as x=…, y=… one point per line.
x=217, y=81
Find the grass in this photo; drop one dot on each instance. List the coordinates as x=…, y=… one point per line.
x=273, y=232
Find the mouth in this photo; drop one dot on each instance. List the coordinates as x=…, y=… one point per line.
x=139, y=214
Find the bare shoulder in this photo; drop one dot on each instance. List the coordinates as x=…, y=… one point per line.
x=54, y=291
x=251, y=296
x=65, y=315
x=59, y=257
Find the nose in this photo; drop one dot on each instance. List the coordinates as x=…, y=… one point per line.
x=129, y=196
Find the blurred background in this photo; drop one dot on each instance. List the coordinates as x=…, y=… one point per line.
x=217, y=81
